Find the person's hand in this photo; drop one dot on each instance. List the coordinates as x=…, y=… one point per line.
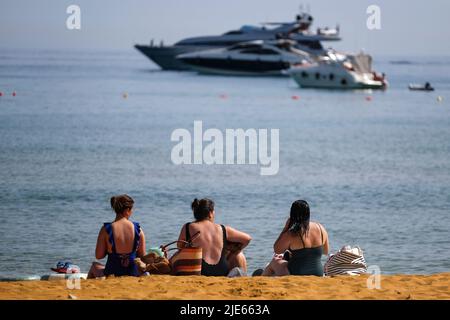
x=234, y=247
x=277, y=256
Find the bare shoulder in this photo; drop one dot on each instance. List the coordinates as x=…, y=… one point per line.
x=229, y=230
x=103, y=234
x=102, y=231
x=322, y=229
x=183, y=229
x=319, y=225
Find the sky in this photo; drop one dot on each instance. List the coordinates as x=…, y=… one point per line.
x=407, y=27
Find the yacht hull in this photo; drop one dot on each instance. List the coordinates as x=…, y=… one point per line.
x=237, y=67
x=165, y=57
x=339, y=86
x=334, y=79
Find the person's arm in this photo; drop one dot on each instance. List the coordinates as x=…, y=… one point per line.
x=101, y=247
x=240, y=237
x=282, y=243
x=141, y=249
x=326, y=245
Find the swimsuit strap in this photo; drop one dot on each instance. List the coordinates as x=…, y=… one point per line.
x=321, y=234
x=303, y=242
x=188, y=234
x=137, y=236
x=108, y=228
x=224, y=244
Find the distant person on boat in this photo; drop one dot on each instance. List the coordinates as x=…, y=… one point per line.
x=221, y=245
x=122, y=241
x=427, y=85
x=299, y=247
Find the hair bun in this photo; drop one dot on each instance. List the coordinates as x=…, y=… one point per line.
x=121, y=202
x=195, y=204
x=202, y=208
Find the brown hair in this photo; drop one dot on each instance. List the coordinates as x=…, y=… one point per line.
x=299, y=219
x=121, y=202
x=202, y=208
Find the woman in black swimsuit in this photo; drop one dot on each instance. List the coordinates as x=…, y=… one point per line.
x=222, y=245
x=300, y=246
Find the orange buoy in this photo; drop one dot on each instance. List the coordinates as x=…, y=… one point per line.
x=295, y=97
x=368, y=98
x=1, y=93
x=14, y=94
x=223, y=96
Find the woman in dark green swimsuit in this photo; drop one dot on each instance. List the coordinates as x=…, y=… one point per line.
x=300, y=246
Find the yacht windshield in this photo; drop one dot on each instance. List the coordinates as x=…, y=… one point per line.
x=244, y=46
x=260, y=51
x=233, y=32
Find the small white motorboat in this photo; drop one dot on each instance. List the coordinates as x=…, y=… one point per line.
x=339, y=71
x=419, y=87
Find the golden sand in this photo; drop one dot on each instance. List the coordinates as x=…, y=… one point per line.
x=435, y=286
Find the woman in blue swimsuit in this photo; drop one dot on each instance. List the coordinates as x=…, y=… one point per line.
x=122, y=241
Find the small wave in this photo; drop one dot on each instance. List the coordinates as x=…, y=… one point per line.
x=421, y=63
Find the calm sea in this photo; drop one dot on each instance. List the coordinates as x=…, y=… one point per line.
x=376, y=173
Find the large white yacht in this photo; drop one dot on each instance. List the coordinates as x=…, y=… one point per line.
x=298, y=30
x=247, y=58
x=339, y=71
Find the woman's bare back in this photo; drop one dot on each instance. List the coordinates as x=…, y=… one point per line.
x=123, y=232
x=210, y=240
x=315, y=237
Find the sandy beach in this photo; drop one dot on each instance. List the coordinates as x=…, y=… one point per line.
x=393, y=287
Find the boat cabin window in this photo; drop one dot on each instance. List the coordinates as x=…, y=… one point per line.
x=233, y=32
x=315, y=45
x=244, y=46
x=260, y=51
